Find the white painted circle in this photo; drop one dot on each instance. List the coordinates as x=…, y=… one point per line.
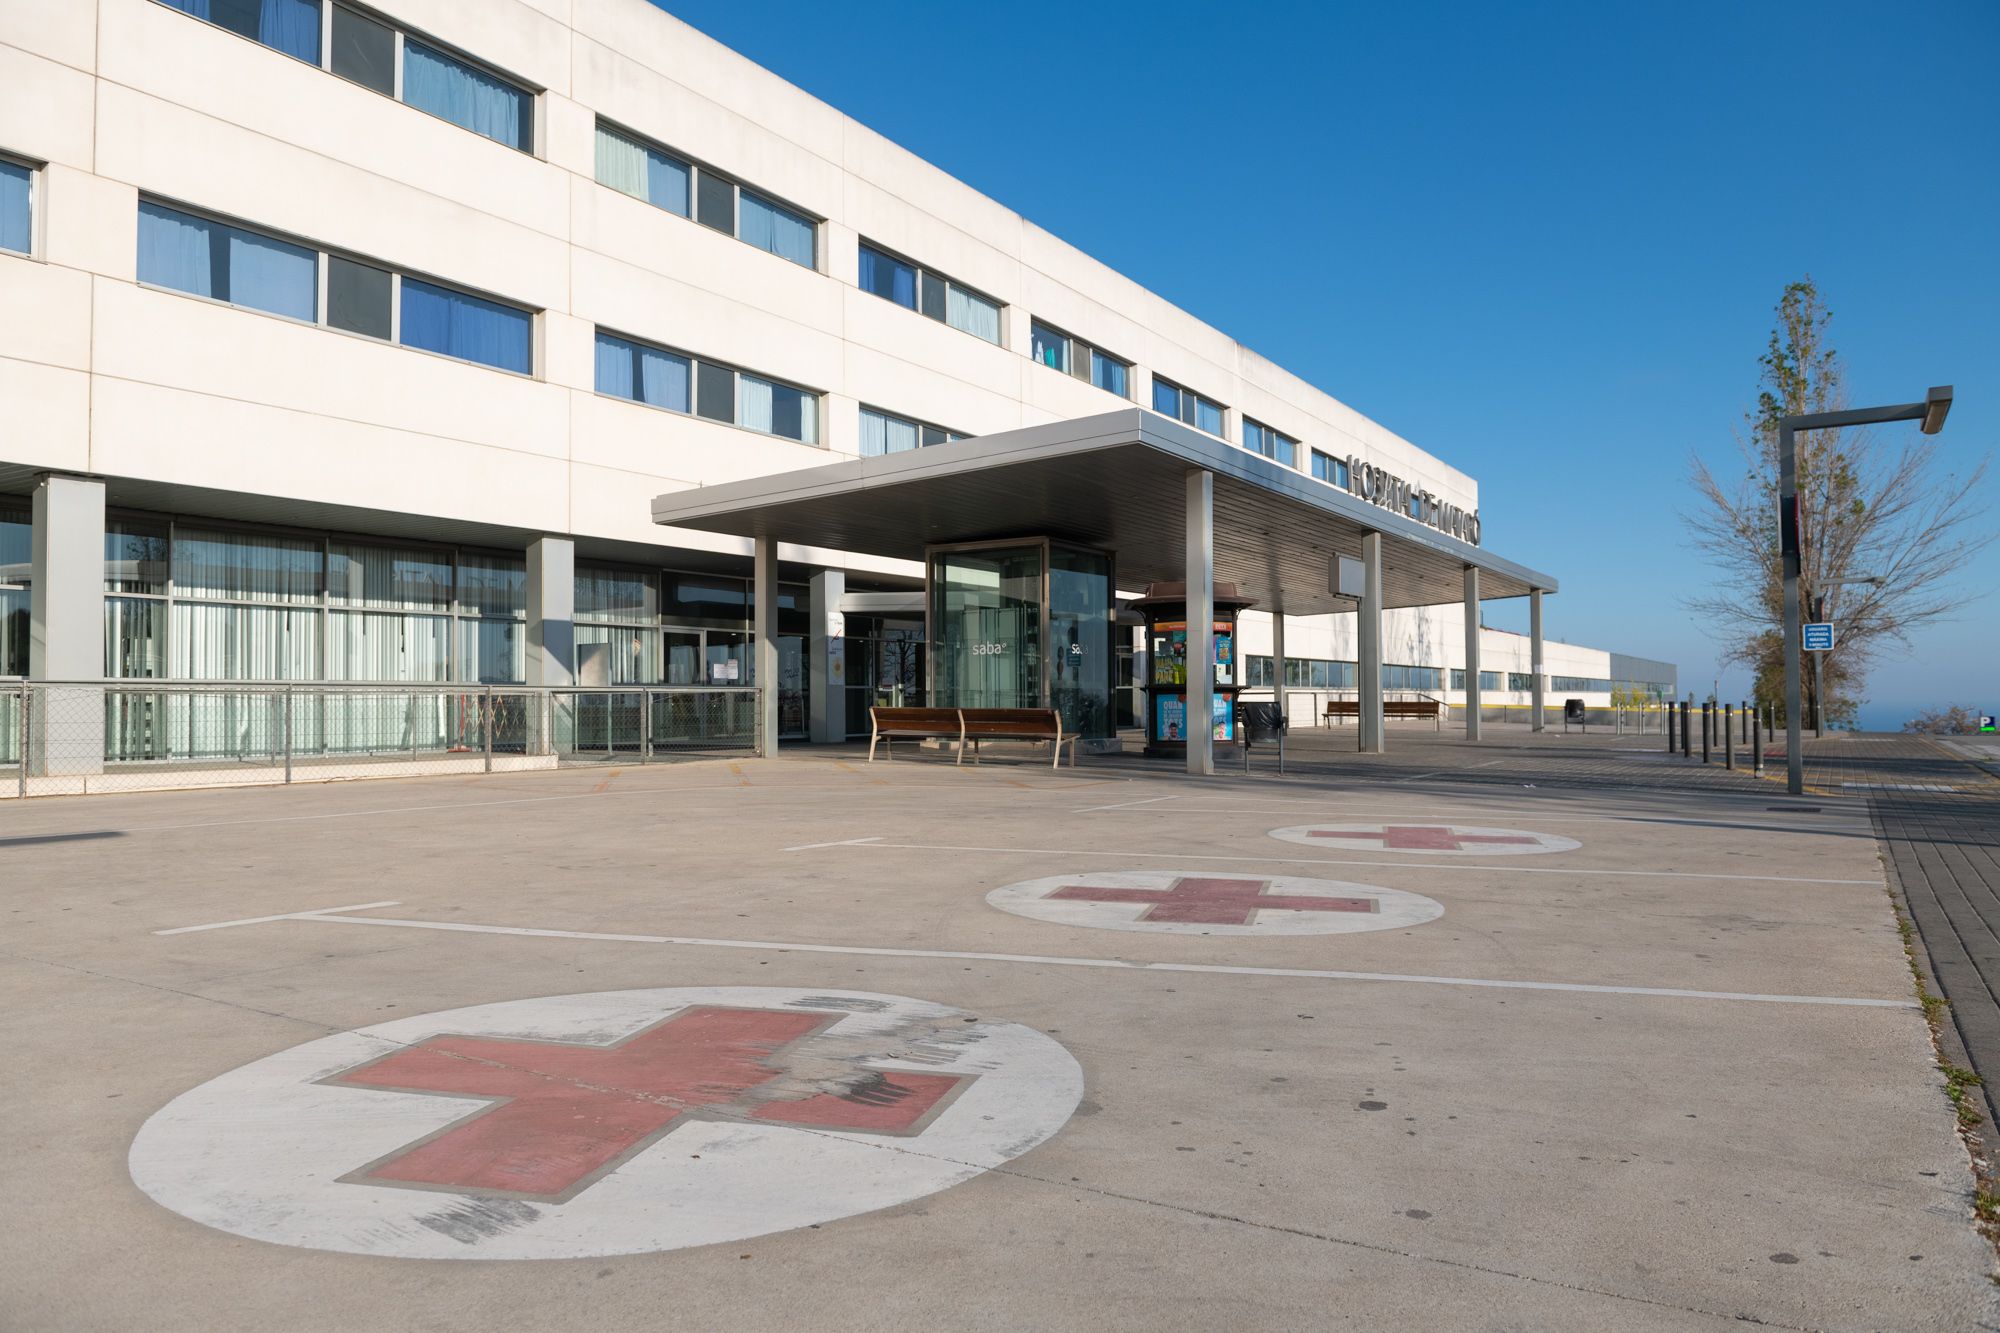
x=1164, y=901
x=1420, y=839
x=272, y=1150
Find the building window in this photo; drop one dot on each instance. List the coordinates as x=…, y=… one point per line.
x=471, y=328
x=885, y=433
x=1170, y=399
x=1580, y=684
x=1329, y=469
x=291, y=26
x=205, y=256
x=17, y=554
x=1412, y=678
x=645, y=170
x=1488, y=680
x=453, y=90
x=642, y=171
x=657, y=377
x=1073, y=356
x=930, y=294
x=17, y=218
x=364, y=49
x=1261, y=439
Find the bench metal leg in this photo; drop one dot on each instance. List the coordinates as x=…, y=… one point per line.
x=872, y=738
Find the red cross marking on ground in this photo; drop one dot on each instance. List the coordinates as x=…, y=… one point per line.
x=1423, y=839
x=1212, y=902
x=562, y=1114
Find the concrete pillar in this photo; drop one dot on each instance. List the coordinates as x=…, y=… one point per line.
x=1201, y=622
x=66, y=625
x=1539, y=683
x=1471, y=653
x=1278, y=662
x=827, y=677
x=552, y=611
x=764, y=620
x=1368, y=647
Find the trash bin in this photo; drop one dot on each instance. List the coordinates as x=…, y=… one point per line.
x=1262, y=724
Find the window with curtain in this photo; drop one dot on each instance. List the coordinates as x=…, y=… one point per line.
x=972, y=313
x=388, y=577
x=777, y=409
x=1048, y=346
x=1328, y=468
x=888, y=277
x=1108, y=373
x=207, y=258
x=1170, y=399
x=1261, y=439
x=16, y=563
x=643, y=374
x=773, y=227
x=642, y=171
x=883, y=434
x=17, y=229
x=455, y=91
x=471, y=328
x=492, y=607
x=291, y=26
x=246, y=566
x=623, y=595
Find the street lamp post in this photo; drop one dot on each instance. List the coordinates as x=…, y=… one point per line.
x=1931, y=412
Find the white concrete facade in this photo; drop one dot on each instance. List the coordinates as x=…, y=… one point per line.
x=112, y=101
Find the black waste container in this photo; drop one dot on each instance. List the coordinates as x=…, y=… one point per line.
x=1262, y=723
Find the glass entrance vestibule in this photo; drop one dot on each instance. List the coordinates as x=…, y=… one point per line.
x=1024, y=623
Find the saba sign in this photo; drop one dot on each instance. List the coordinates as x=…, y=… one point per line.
x=1384, y=488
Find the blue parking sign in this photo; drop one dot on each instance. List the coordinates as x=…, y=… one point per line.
x=1819, y=637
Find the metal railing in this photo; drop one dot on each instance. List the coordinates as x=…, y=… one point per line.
x=95, y=736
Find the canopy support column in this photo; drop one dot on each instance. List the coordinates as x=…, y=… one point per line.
x=1201, y=622
x=1472, y=652
x=1278, y=661
x=764, y=575
x=1368, y=647
x=1539, y=683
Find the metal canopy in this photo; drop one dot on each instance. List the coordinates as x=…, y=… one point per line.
x=1116, y=481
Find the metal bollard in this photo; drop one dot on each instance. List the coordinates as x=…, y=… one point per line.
x=1707, y=729
x=1756, y=747
x=1670, y=728
x=1729, y=736
x=1686, y=751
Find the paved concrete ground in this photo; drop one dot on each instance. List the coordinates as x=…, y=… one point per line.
x=1561, y=1104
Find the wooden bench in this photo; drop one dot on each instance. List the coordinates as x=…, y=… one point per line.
x=1392, y=710
x=913, y=724
x=970, y=724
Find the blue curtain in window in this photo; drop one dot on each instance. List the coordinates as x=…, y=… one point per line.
x=198, y=8
x=16, y=223
x=889, y=278
x=614, y=364
x=291, y=26
x=780, y=231
x=174, y=251
x=666, y=183
x=1166, y=399
x=434, y=82
x=467, y=327
x=271, y=275
x=663, y=379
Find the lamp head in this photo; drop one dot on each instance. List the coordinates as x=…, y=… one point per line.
x=1937, y=404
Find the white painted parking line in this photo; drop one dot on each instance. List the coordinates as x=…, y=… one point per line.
x=1819, y=824
x=1113, y=964
x=1427, y=866
x=844, y=842
x=281, y=916
x=1122, y=805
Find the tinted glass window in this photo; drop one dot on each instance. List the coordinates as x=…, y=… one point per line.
x=717, y=203
x=932, y=435
x=933, y=296
x=715, y=394
x=364, y=51
x=357, y=297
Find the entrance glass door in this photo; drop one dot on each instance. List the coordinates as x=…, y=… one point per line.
x=986, y=616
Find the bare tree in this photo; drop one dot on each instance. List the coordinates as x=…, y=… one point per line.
x=1870, y=503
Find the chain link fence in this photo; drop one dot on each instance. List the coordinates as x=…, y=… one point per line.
x=69, y=738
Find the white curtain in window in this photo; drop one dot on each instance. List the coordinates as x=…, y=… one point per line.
x=753, y=403
x=881, y=434
x=246, y=566
x=974, y=314
x=257, y=643
x=376, y=646
x=621, y=164
x=388, y=577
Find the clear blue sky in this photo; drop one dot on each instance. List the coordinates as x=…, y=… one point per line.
x=1542, y=241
